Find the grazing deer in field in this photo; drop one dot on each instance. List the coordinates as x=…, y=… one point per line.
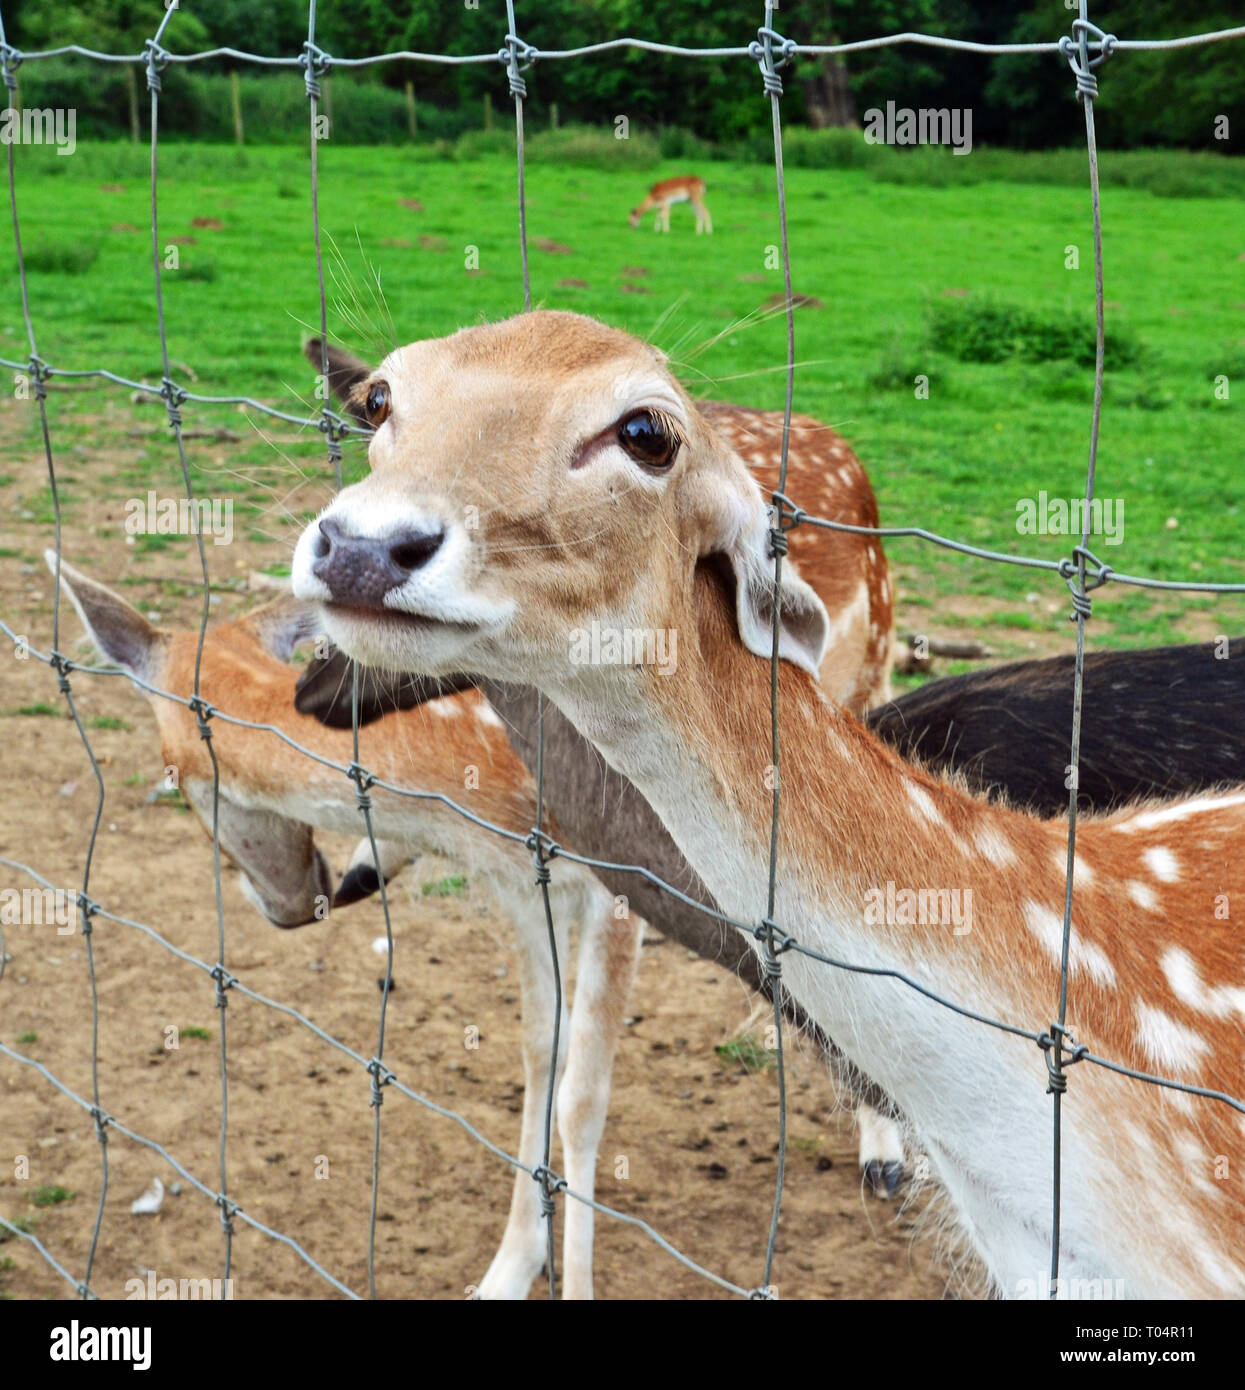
x=665, y=193
x=535, y=476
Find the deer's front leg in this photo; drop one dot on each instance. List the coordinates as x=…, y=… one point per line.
x=609, y=951
x=521, y=1255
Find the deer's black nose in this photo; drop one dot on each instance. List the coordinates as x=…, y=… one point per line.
x=361, y=570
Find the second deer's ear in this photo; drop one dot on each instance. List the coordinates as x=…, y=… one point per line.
x=123, y=636
x=345, y=372
x=282, y=624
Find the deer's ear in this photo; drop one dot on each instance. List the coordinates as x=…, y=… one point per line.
x=345, y=371
x=803, y=625
x=282, y=624
x=120, y=632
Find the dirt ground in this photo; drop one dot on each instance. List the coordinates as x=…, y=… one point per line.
x=698, y=1131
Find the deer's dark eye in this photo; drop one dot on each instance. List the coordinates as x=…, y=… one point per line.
x=376, y=404
x=648, y=439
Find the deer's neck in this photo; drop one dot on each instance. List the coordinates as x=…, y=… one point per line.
x=882, y=866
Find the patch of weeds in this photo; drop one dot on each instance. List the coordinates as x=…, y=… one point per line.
x=202, y=271
x=109, y=721
x=41, y=707
x=898, y=367
x=193, y=1030
x=149, y=542
x=1148, y=392
x=52, y=1196
x=452, y=886
x=61, y=258
x=135, y=779
x=989, y=330
x=29, y=1036
x=747, y=1052
x=172, y=797
x=23, y=1224
x=279, y=569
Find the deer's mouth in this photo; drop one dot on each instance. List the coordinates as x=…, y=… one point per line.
x=399, y=618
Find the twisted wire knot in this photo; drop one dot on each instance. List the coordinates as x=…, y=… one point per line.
x=157, y=61
x=776, y=942
x=381, y=1076
x=1071, y=48
x=362, y=779
x=769, y=1294
x=1097, y=574
x=202, y=712
x=315, y=62
x=10, y=61
x=224, y=980
x=1053, y=1045
x=761, y=51
x=40, y=372
x=227, y=1210
x=87, y=908
x=334, y=429
x=517, y=52
x=62, y=665
x=550, y=1185
x=173, y=397
x=102, y=1120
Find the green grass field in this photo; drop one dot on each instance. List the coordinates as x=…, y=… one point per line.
x=908, y=279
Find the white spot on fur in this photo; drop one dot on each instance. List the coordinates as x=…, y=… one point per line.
x=1082, y=874
x=1047, y=926
x=448, y=708
x=1162, y=864
x=1143, y=895
x=1149, y=820
x=1169, y=1045
x=1186, y=984
x=995, y=848
x=485, y=714
x=923, y=804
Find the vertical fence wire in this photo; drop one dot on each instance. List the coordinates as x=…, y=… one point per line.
x=156, y=62
x=770, y=936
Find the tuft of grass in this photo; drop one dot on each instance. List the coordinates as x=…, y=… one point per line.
x=61, y=258
x=747, y=1052
x=39, y=708
x=52, y=1196
x=29, y=1036
x=24, y=1224
x=109, y=721
x=452, y=886
x=990, y=330
x=192, y=1030
x=201, y=271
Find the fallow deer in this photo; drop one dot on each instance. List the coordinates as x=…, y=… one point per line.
x=534, y=476
x=849, y=572
x=271, y=799
x=665, y=193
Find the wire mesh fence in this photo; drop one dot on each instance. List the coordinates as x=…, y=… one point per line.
x=770, y=52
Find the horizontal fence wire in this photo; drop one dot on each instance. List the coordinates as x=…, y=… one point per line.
x=1081, y=571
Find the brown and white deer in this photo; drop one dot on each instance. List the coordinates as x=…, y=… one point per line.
x=535, y=477
x=269, y=807
x=665, y=193
x=271, y=799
